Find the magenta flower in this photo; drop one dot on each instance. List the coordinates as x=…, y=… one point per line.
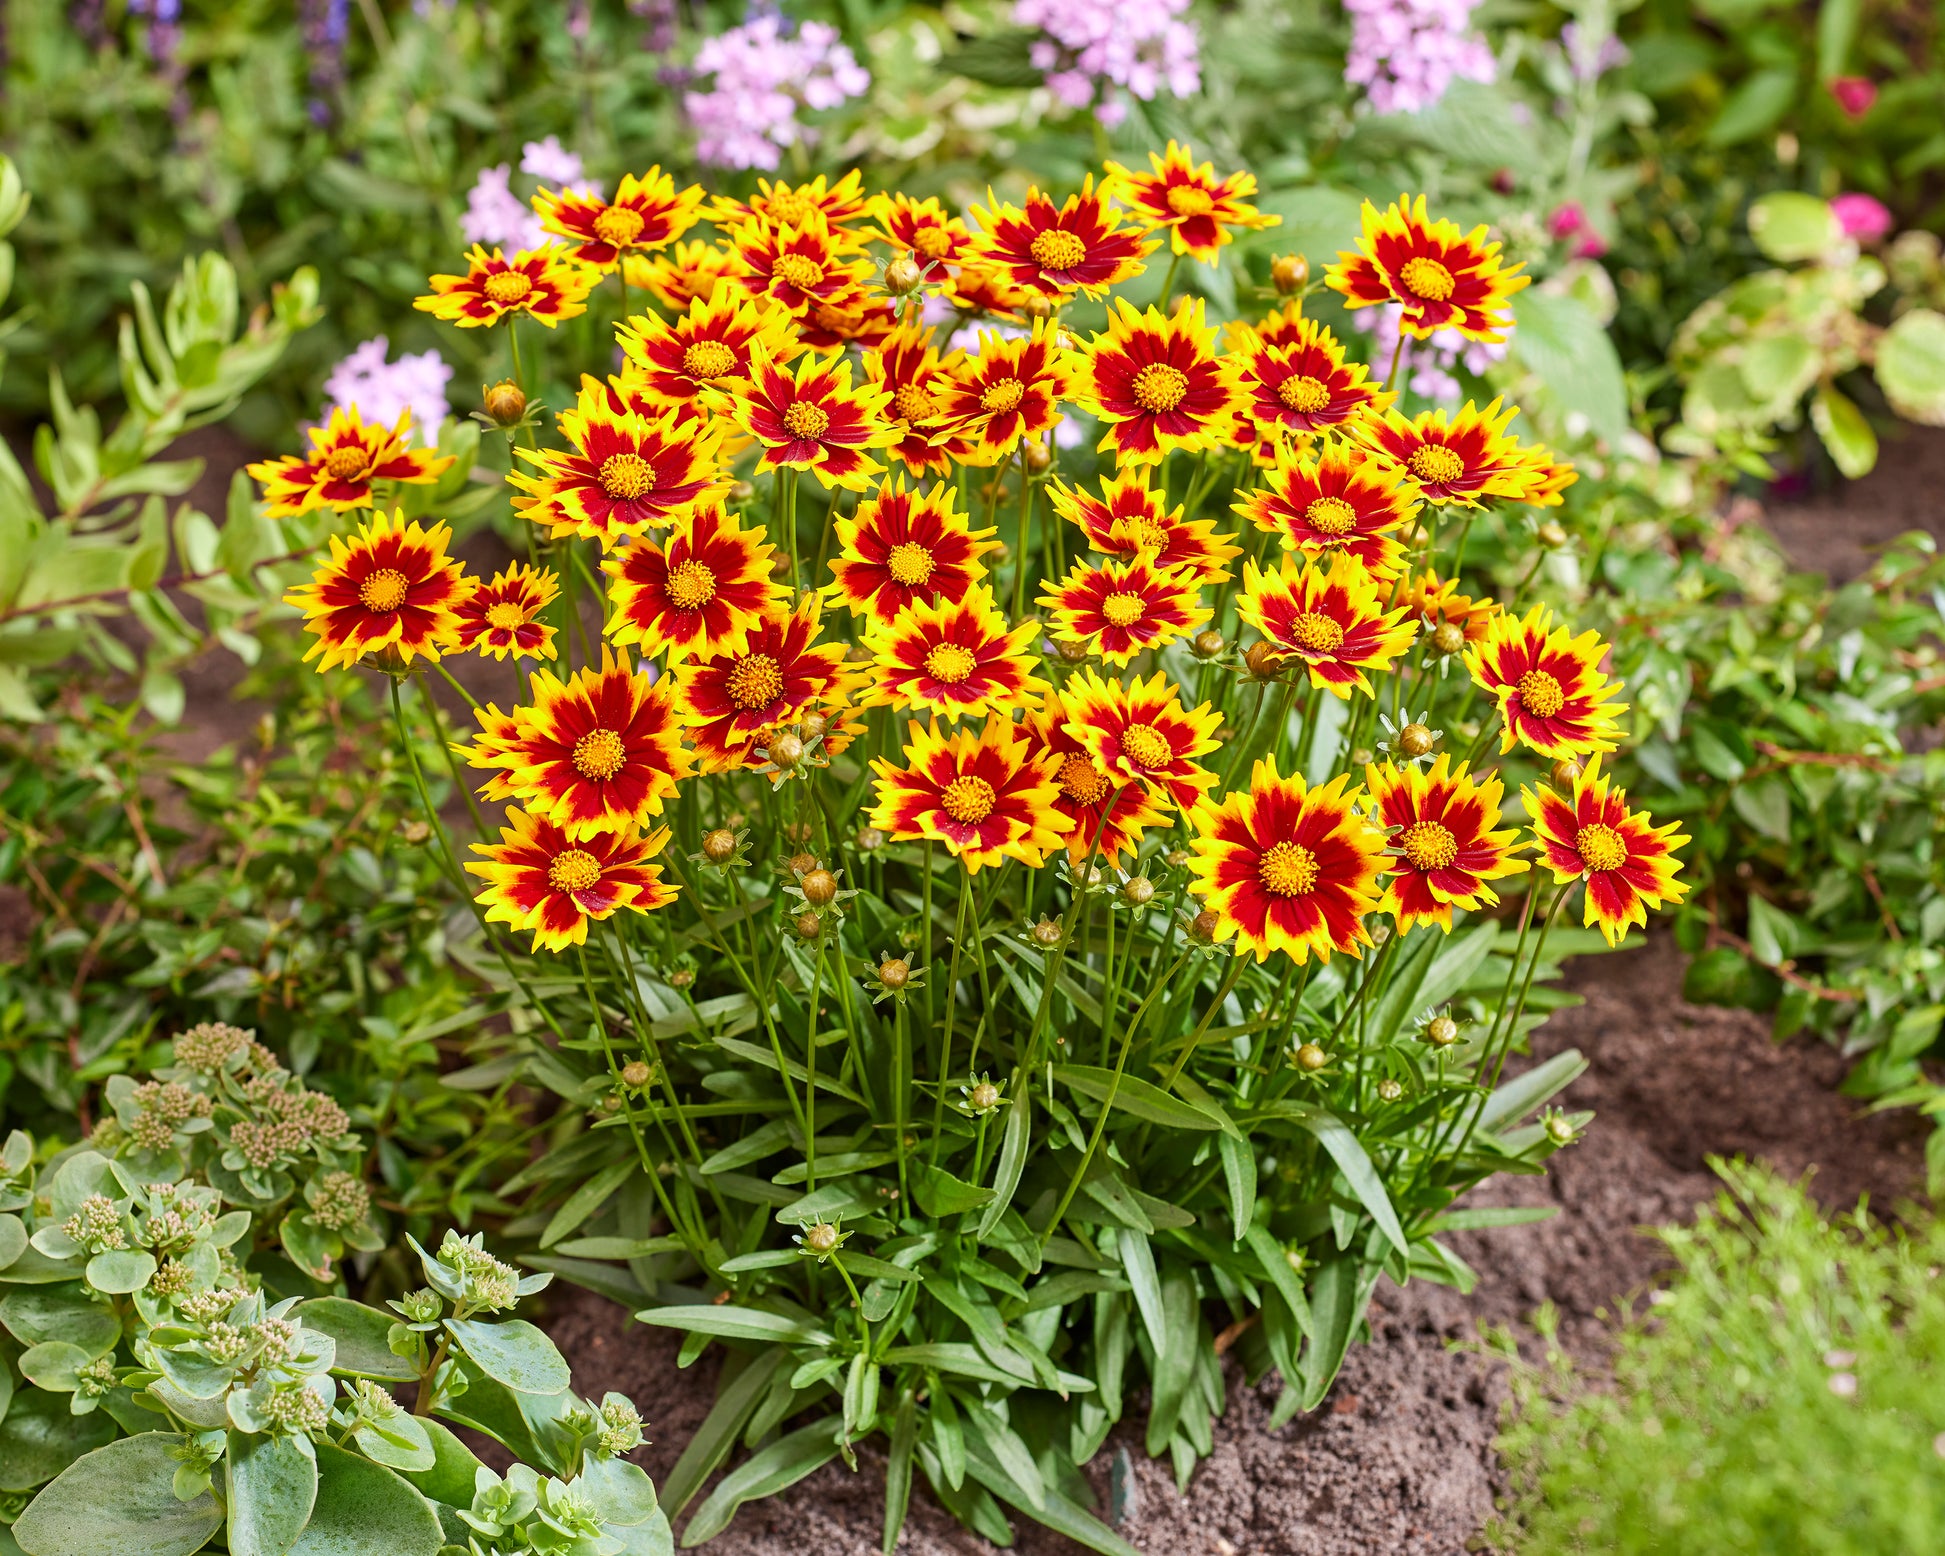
x=1862, y=217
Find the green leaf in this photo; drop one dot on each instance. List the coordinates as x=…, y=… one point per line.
x=362, y=1335
x=400, y=1442
x=1846, y=434
x=1335, y=1137
x=1527, y=1090
x=514, y=1353
x=1138, y=1262
x=1486, y=1217
x=1055, y=1510
x=764, y=1474
x=119, y=1500
x=41, y=1437
x=1560, y=339
x=1013, y=1157
x=731, y=1322
x=272, y=1483
x=1138, y=1098
x=450, y=1478
x=1724, y=976
x=1000, y=59
x=898, y=1469
x=120, y=1270
x=1239, y=1177
x=587, y=1199
x=620, y=1493
x=1339, y=1292
x=1773, y=934
x=736, y=1400
x=364, y=1509
x=1765, y=805
x=1790, y=227
x=1836, y=31
x=1754, y=107
x=54, y=1365
x=1911, y=366
x=13, y=1239
x=939, y=1194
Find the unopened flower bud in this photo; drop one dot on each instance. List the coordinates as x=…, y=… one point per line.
x=1035, y=454
x=635, y=1073
x=1262, y=660
x=1441, y=1031
x=1047, y=933
x=1448, y=637
x=681, y=978
x=1140, y=891
x=1289, y=273
x=800, y=864
x=1415, y=740
x=894, y=973
x=1037, y=307
x=1203, y=926
x=1071, y=652
x=1389, y=1091
x=813, y=725
x=903, y=276
x=819, y=887
x=1559, y=1130
x=1208, y=644
x=1566, y=773
x=741, y=491
x=820, y=1237
x=506, y=402
x=984, y=1097
x=786, y=752
x=809, y=926
x=1175, y=858
x=414, y=831
x=611, y=1104
x=719, y=846
x=1553, y=534
x=871, y=839
x=1311, y=1057
x=1361, y=755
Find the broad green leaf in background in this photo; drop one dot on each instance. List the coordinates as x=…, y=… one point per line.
x=272, y=1484
x=1790, y=227
x=1559, y=338
x=364, y=1509
x=1911, y=366
x=514, y=1353
x=119, y=1500
x=1754, y=107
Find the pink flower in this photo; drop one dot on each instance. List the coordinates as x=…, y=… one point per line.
x=1862, y=217
x=1854, y=95
x=1567, y=220
x=1592, y=246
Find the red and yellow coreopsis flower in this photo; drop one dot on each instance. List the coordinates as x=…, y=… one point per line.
x=909, y=367
x=782, y=671
x=1286, y=326
x=1102, y=815
x=1441, y=278
x=864, y=322
x=1340, y=500
x=598, y=752
x=348, y=456
x=538, y=878
x=814, y=420
x=1301, y=385
x=502, y=618
x=799, y=265
x=1627, y=861
x=1444, y=846
x=787, y=205
x=1285, y=867
x=539, y=283
x=646, y=213
x=1011, y=390
x=622, y=473
x=1156, y=382
x=1121, y=608
x=1436, y=604
x=1129, y=519
x=1462, y=458
x=1080, y=245
x=699, y=596
x=1547, y=684
x=1141, y=733
x=922, y=229
x=978, y=289
x=953, y=658
x=1197, y=208
x=489, y=749
x=391, y=588
x=1551, y=477
x=905, y=548
x=689, y=272
x=986, y=794
x=1330, y=618
x=707, y=350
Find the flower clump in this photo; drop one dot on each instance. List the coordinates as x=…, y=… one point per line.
x=761, y=73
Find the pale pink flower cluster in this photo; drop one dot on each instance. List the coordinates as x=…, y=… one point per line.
x=1405, y=53
x=1425, y=367
x=379, y=390
x=763, y=73
x=1096, y=49
x=495, y=215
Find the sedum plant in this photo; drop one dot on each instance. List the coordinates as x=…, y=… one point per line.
x=189, y=1370
x=982, y=1015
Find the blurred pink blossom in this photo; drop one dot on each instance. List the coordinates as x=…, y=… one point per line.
x=1405, y=53
x=1091, y=48
x=379, y=390
x=763, y=75
x=1862, y=217
x=1854, y=94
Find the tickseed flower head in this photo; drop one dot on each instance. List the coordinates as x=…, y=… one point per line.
x=505, y=402
x=808, y=925
x=985, y=794
x=1444, y=846
x=1412, y=738
x=537, y=878
x=903, y=275
x=1339, y=501
x=636, y=1073
x=1139, y=891
x=1330, y=618
x=698, y=595
x=1299, y=384
x=1565, y=774
x=539, y=283
x=909, y=367
x=690, y=362
x=906, y=547
x=1448, y=620
x=501, y=619
x=1559, y=1128
x=799, y=263
x=813, y=419
x=646, y=213
x=490, y=750
x=1289, y=868
x=1389, y=1090
x=1011, y=391
x=1123, y=608
x=1441, y=278
x=1187, y=200
x=1264, y=661
x=981, y=1096
x=1097, y=813
x=1139, y=732
x=871, y=839
x=1080, y=245
x=842, y=204
x=1208, y=644
x=1463, y=458
x=390, y=588
x=1311, y=1058
x=895, y=979
x=1046, y=932
x=820, y=1240
x=954, y=660
x=921, y=231
x=1155, y=382
x=677, y=277
x=1441, y=1031
x=1548, y=686
x=1289, y=273
x=1130, y=519
x=348, y=457
x=728, y=700
x=1628, y=862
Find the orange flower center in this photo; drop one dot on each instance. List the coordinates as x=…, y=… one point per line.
x=801, y=419
x=1540, y=694
x=1057, y=250
x=575, y=870
x=1084, y=783
x=1187, y=200
x=1002, y=395
x=505, y=615
x=1304, y=393
x=708, y=359
x=691, y=584
x=599, y=754
x=787, y=207
x=1429, y=845
x=1331, y=516
x=969, y=799
x=383, y=590
x=1122, y=610
x=1425, y=277
x=799, y=270
x=909, y=564
x=507, y=287
x=1601, y=847
x=1160, y=387
x=1147, y=532
x=619, y=225
x=911, y=403
x=1435, y=462
x=625, y=477
x=1146, y=746
x=950, y=663
x=755, y=682
x=1289, y=870
x=1316, y=634
x=345, y=464
x=932, y=242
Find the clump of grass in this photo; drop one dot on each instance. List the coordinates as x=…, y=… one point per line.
x=1785, y=1392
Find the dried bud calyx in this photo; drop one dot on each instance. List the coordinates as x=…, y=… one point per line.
x=681, y=978
x=819, y=887
x=894, y=973
x=813, y=725
x=741, y=491
x=1289, y=273
x=820, y=1237
x=1311, y=1057
x=870, y=839
x=983, y=1097
x=505, y=402
x=800, y=864
x=903, y=276
x=1560, y=1129
x=1070, y=651
x=1389, y=1091
x=1203, y=926
x=719, y=846
x=1208, y=644
x=1415, y=740
x=1035, y=454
